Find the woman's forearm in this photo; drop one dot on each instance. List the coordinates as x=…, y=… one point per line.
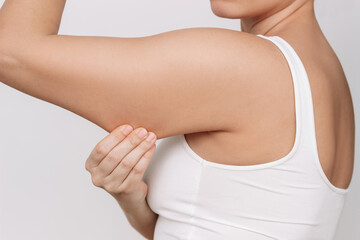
x=26, y=59
x=38, y=62
x=101, y=79
x=63, y=70
x=31, y=17
x=142, y=219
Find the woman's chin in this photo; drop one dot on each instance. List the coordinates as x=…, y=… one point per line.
x=224, y=9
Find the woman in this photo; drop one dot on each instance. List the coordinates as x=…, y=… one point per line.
x=250, y=165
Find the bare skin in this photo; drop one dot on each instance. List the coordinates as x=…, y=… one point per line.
x=178, y=83
x=334, y=123
x=117, y=164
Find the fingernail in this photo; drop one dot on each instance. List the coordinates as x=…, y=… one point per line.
x=142, y=133
x=127, y=129
x=150, y=137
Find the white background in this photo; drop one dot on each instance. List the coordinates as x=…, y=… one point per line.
x=45, y=191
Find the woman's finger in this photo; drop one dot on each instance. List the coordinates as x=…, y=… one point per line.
x=127, y=163
x=103, y=147
x=119, y=152
x=137, y=173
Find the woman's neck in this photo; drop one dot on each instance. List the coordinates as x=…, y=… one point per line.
x=294, y=15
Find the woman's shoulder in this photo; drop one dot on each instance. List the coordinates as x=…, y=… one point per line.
x=217, y=39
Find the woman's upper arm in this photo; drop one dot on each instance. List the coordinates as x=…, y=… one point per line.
x=182, y=81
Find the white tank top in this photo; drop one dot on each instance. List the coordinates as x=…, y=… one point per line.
x=288, y=199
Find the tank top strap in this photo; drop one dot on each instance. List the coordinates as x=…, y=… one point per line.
x=305, y=121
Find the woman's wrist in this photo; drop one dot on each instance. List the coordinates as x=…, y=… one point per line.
x=141, y=217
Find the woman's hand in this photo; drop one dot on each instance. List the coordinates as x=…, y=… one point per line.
x=118, y=162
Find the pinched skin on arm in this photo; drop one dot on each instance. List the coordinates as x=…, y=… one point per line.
x=117, y=164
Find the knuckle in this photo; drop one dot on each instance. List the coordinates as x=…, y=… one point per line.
x=126, y=163
x=134, y=140
x=96, y=181
x=87, y=167
x=122, y=188
x=138, y=169
x=117, y=137
x=101, y=149
x=112, y=188
x=112, y=157
x=106, y=181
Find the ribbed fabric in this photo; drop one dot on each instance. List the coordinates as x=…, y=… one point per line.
x=288, y=199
